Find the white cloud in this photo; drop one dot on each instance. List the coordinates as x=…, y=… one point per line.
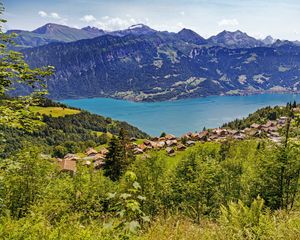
x=88, y=18
x=228, y=22
x=55, y=15
x=182, y=13
x=43, y=14
x=115, y=23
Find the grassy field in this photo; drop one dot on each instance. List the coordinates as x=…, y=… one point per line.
x=54, y=111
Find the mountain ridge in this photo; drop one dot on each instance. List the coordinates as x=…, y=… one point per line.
x=161, y=66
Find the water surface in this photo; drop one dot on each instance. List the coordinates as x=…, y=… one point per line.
x=179, y=117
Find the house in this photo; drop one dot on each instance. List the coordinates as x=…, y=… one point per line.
x=220, y=132
x=161, y=144
x=171, y=143
x=90, y=152
x=71, y=157
x=67, y=165
x=133, y=139
x=138, y=151
x=190, y=143
x=203, y=135
x=103, y=151
x=282, y=120
x=170, y=150
x=181, y=147
x=170, y=137
x=255, y=126
x=142, y=146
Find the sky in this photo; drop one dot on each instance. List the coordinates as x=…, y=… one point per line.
x=258, y=18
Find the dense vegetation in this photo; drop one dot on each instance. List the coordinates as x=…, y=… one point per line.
x=212, y=191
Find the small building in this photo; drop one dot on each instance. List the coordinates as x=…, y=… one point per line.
x=190, y=143
x=71, y=157
x=90, y=152
x=170, y=137
x=171, y=143
x=138, y=151
x=255, y=126
x=181, y=147
x=170, y=150
x=104, y=151
x=67, y=165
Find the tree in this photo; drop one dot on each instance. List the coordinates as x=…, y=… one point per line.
x=120, y=155
x=15, y=71
x=115, y=162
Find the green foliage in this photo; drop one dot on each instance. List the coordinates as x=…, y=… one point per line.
x=119, y=156
x=260, y=116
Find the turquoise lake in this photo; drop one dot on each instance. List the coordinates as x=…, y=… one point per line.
x=181, y=116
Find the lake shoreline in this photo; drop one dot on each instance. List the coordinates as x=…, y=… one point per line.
x=182, y=116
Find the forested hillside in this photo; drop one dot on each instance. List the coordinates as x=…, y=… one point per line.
x=71, y=133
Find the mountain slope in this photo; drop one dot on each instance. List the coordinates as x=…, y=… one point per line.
x=235, y=39
x=52, y=32
x=161, y=66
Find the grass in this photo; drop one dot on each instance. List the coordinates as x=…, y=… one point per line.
x=54, y=111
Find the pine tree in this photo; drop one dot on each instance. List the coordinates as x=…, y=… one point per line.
x=114, y=164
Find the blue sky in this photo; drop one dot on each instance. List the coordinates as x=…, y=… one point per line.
x=279, y=18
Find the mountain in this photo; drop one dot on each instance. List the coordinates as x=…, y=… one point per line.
x=94, y=30
x=235, y=39
x=190, y=36
x=268, y=40
x=137, y=29
x=161, y=66
x=52, y=32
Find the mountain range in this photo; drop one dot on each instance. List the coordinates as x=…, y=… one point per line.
x=142, y=64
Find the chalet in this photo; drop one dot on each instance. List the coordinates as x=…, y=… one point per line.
x=91, y=152
x=190, y=143
x=138, y=151
x=282, y=120
x=133, y=139
x=103, y=151
x=170, y=137
x=203, y=135
x=161, y=144
x=170, y=150
x=181, y=147
x=142, y=146
x=255, y=126
x=71, y=157
x=220, y=131
x=171, y=143
x=67, y=165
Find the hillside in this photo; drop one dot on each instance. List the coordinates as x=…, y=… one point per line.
x=164, y=66
x=212, y=190
x=73, y=129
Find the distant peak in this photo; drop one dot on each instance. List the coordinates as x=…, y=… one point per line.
x=48, y=27
x=139, y=25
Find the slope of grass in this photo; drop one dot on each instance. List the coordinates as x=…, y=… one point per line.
x=54, y=111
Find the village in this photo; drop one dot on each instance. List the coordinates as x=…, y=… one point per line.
x=172, y=144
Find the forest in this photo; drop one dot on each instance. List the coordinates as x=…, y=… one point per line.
x=236, y=189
